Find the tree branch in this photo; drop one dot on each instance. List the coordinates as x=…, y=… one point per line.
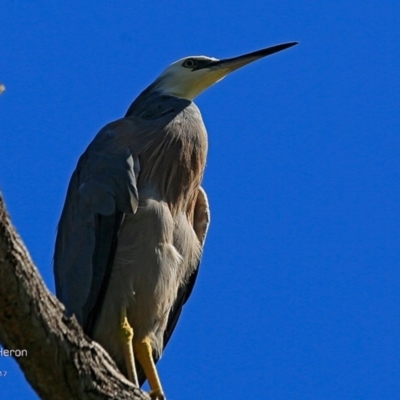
x=61, y=362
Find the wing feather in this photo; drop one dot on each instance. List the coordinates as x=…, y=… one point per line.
x=102, y=189
x=201, y=222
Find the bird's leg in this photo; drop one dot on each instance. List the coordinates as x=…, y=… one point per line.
x=144, y=354
x=126, y=332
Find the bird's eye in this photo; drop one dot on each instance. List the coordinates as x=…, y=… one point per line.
x=189, y=63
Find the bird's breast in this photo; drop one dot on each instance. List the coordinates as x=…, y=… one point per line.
x=174, y=162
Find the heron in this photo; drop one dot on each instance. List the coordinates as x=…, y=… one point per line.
x=133, y=226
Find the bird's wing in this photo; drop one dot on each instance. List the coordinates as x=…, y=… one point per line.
x=102, y=189
x=201, y=222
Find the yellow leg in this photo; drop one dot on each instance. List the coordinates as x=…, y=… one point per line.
x=126, y=340
x=144, y=354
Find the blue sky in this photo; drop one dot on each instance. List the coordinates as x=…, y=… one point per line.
x=298, y=292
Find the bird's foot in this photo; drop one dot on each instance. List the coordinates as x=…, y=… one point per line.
x=144, y=354
x=126, y=336
x=157, y=394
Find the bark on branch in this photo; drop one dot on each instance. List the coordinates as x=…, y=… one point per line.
x=61, y=362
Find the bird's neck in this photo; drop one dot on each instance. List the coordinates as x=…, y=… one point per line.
x=153, y=104
x=179, y=155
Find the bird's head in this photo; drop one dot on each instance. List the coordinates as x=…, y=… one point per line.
x=190, y=76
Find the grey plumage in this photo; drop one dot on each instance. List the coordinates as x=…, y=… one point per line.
x=103, y=202
x=132, y=230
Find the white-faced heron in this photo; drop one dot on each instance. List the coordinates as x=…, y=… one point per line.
x=132, y=230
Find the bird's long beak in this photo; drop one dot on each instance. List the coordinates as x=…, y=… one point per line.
x=232, y=64
x=190, y=82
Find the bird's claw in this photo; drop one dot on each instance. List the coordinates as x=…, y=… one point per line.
x=157, y=395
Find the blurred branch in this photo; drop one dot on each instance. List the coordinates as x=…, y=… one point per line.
x=61, y=362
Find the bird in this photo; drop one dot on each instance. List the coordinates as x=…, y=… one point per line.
x=132, y=230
